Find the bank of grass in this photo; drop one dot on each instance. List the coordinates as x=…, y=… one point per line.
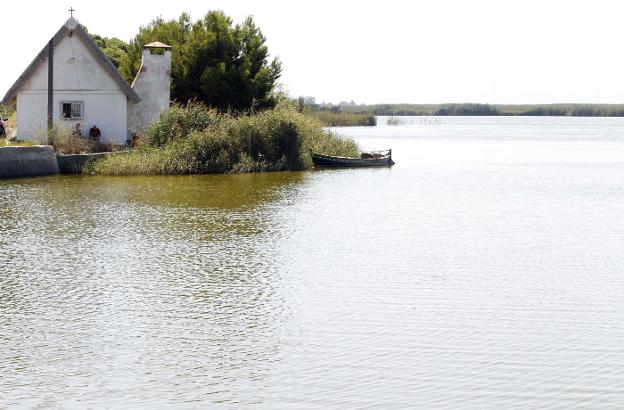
x=195, y=140
x=344, y=119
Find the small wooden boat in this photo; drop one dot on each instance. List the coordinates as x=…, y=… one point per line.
x=368, y=159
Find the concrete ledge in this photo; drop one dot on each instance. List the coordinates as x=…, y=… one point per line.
x=27, y=161
x=74, y=163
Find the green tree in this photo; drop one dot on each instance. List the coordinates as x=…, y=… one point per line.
x=114, y=48
x=173, y=33
x=214, y=61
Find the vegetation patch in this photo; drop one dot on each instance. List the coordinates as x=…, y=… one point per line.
x=9, y=118
x=195, y=139
x=345, y=119
x=394, y=121
x=223, y=64
x=332, y=115
x=467, y=109
x=6, y=111
x=65, y=141
x=557, y=110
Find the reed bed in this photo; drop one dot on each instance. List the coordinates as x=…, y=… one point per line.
x=194, y=139
x=394, y=121
x=345, y=119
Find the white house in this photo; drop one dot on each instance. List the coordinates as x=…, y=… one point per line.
x=88, y=89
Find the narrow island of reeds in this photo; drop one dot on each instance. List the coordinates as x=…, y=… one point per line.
x=194, y=139
x=394, y=121
x=345, y=119
x=332, y=115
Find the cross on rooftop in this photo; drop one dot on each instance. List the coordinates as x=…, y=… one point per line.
x=71, y=11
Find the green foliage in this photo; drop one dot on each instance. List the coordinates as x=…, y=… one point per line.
x=215, y=62
x=345, y=119
x=393, y=121
x=9, y=119
x=6, y=111
x=173, y=33
x=196, y=139
x=332, y=115
x=467, y=109
x=114, y=48
x=571, y=110
x=574, y=110
x=178, y=122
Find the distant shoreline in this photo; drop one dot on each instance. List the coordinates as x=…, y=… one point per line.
x=345, y=114
x=469, y=109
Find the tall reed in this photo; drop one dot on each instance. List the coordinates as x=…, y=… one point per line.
x=195, y=139
x=394, y=121
x=345, y=119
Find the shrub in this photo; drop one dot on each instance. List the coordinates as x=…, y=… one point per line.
x=178, y=122
x=195, y=139
x=6, y=111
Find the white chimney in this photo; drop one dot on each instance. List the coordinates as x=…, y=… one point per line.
x=153, y=86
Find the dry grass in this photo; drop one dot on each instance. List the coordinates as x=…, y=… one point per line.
x=65, y=142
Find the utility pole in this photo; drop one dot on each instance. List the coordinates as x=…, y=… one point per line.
x=50, y=85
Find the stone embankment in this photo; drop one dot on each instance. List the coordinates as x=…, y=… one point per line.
x=74, y=163
x=38, y=160
x=28, y=161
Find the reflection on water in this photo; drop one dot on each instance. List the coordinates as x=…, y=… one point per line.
x=475, y=273
x=127, y=283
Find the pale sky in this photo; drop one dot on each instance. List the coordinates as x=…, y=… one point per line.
x=392, y=51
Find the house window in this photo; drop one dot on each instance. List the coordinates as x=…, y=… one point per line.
x=71, y=110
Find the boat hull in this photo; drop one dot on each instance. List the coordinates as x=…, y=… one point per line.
x=327, y=161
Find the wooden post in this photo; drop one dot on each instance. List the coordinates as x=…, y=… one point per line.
x=50, y=85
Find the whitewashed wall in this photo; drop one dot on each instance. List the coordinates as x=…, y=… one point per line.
x=153, y=85
x=77, y=77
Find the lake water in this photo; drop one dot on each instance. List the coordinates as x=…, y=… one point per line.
x=484, y=270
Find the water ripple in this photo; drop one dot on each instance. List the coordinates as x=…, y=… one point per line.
x=477, y=285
